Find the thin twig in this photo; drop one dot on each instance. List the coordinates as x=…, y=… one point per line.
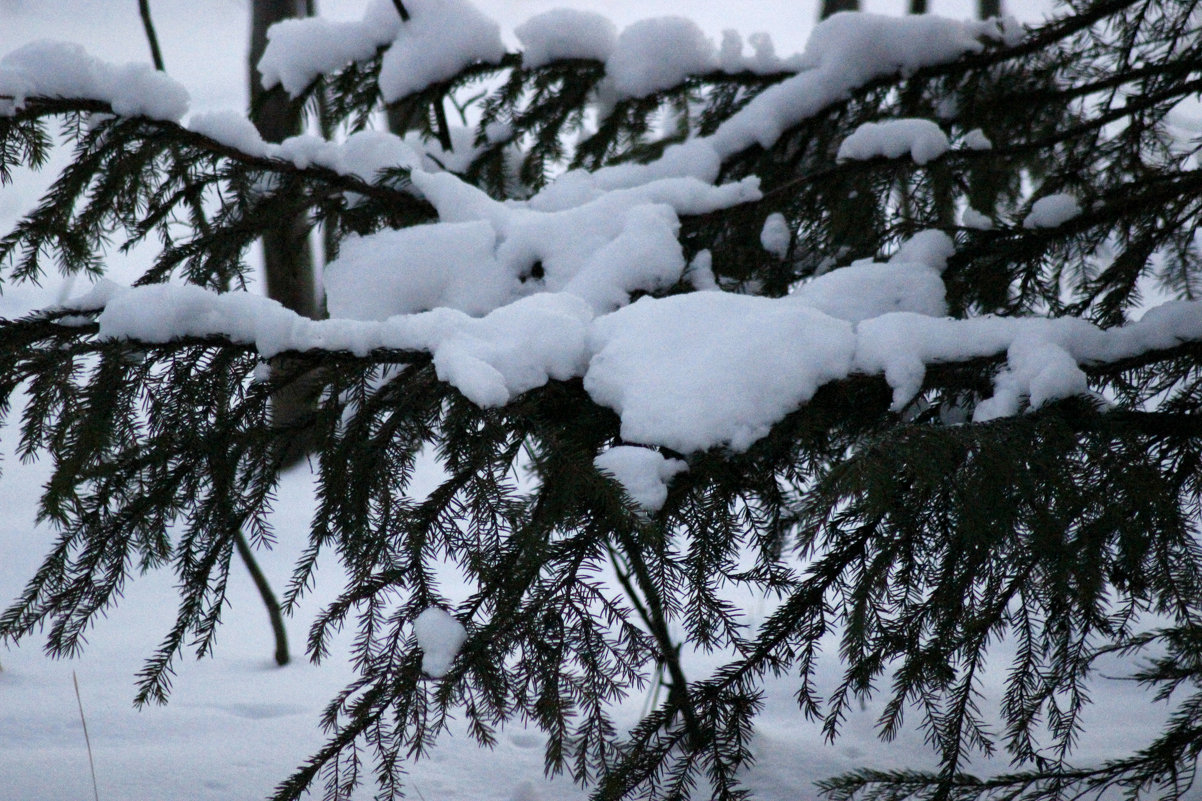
x=87, y=740
x=153, y=38
x=400, y=8
x=269, y=600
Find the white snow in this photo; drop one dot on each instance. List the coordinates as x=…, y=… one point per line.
x=977, y=140
x=60, y=69
x=600, y=246
x=440, y=636
x=931, y=248
x=644, y=473
x=659, y=53
x=233, y=129
x=775, y=235
x=1052, y=211
x=865, y=290
x=922, y=139
x=566, y=33
x=440, y=39
x=708, y=369
x=299, y=50
x=971, y=218
x=417, y=269
x=763, y=59
x=847, y=50
x=363, y=153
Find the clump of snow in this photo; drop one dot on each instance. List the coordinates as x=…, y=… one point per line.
x=416, y=269
x=659, y=53
x=930, y=248
x=363, y=153
x=60, y=69
x=299, y=50
x=763, y=59
x=490, y=360
x=700, y=273
x=644, y=473
x=1052, y=211
x=922, y=139
x=96, y=298
x=440, y=636
x=441, y=38
x=600, y=246
x=977, y=140
x=775, y=235
x=232, y=129
x=865, y=290
x=971, y=218
x=845, y=51
x=565, y=33
x=710, y=369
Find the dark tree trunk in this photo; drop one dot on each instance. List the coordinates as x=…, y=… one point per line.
x=835, y=6
x=287, y=257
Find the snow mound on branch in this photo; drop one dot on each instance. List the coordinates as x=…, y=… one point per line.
x=299, y=50
x=440, y=636
x=977, y=140
x=844, y=52
x=687, y=372
x=971, y=218
x=709, y=369
x=763, y=59
x=417, y=269
x=775, y=235
x=922, y=139
x=659, y=53
x=440, y=39
x=565, y=33
x=59, y=69
x=1052, y=211
x=909, y=282
x=363, y=153
x=644, y=473
x=599, y=246
x=867, y=289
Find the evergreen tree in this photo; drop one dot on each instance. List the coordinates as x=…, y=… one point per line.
x=976, y=441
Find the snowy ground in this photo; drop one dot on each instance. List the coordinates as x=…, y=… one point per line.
x=236, y=724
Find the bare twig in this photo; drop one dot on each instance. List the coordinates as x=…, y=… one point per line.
x=87, y=740
x=400, y=9
x=151, y=37
x=269, y=600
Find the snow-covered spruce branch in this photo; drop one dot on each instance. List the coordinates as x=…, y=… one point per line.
x=914, y=355
x=323, y=166
x=871, y=306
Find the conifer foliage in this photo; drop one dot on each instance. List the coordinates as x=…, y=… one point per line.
x=899, y=335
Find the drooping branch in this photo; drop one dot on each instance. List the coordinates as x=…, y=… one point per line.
x=404, y=202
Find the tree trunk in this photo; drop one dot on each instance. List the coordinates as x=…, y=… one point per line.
x=835, y=6
x=287, y=258
x=989, y=8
